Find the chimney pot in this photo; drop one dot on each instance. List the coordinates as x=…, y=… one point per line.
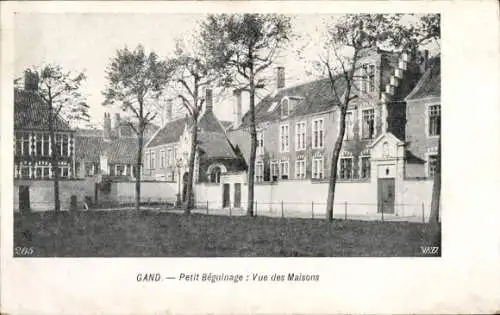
x=280, y=77
x=237, y=108
x=107, y=126
x=31, y=80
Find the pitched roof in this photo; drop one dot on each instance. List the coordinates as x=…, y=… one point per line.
x=226, y=124
x=90, y=148
x=30, y=112
x=169, y=133
x=215, y=145
x=311, y=97
x=430, y=83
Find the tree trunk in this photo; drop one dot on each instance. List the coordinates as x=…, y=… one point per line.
x=192, y=156
x=333, y=167
x=54, y=160
x=436, y=190
x=253, y=148
x=138, y=170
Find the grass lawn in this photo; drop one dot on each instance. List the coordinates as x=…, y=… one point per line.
x=152, y=234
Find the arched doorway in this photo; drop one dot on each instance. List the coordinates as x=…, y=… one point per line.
x=184, y=186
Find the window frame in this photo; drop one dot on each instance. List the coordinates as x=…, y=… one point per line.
x=428, y=156
x=297, y=136
x=282, y=115
x=361, y=157
x=282, y=173
x=362, y=135
x=260, y=139
x=297, y=168
x=340, y=172
x=321, y=140
x=351, y=113
x=259, y=165
x=314, y=165
x=428, y=121
x=284, y=148
x=274, y=165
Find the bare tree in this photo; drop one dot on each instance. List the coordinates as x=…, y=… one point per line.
x=60, y=91
x=245, y=45
x=136, y=80
x=193, y=73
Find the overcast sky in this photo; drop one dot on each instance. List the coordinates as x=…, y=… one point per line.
x=88, y=41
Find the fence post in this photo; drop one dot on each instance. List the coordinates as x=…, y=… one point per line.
x=255, y=212
x=312, y=209
x=282, y=211
x=207, y=207
x=230, y=212
x=345, y=210
x=423, y=213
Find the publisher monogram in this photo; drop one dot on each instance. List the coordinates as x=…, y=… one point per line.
x=429, y=250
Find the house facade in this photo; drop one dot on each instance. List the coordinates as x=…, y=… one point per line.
x=166, y=155
x=111, y=151
x=297, y=127
x=32, y=139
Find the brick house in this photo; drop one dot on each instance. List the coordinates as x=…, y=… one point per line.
x=423, y=104
x=111, y=151
x=32, y=140
x=166, y=155
x=297, y=127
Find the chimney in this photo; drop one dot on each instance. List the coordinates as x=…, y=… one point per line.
x=168, y=111
x=280, y=77
x=423, y=60
x=209, y=101
x=30, y=80
x=117, y=124
x=107, y=126
x=237, y=108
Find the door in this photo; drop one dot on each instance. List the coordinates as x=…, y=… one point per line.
x=24, y=199
x=237, y=195
x=386, y=195
x=225, y=196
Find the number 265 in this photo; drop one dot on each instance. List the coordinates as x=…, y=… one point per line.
x=24, y=251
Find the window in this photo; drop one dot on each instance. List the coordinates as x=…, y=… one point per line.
x=300, y=169
x=46, y=172
x=120, y=170
x=26, y=145
x=284, y=169
x=162, y=159
x=363, y=79
x=38, y=146
x=25, y=172
x=46, y=143
x=260, y=142
x=345, y=168
x=317, y=168
x=285, y=107
x=368, y=128
x=434, y=114
x=153, y=160
x=349, y=126
x=215, y=175
x=275, y=173
x=146, y=161
x=259, y=171
x=169, y=157
x=317, y=134
x=432, y=164
x=64, y=149
x=284, y=138
x=300, y=136
x=365, y=167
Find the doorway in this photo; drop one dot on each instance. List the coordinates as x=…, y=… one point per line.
x=237, y=195
x=386, y=195
x=225, y=196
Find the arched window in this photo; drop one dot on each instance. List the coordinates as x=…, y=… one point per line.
x=215, y=174
x=385, y=149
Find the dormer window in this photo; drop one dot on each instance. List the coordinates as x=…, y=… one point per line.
x=285, y=108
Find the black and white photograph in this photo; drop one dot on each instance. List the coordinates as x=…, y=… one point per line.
x=246, y=134
x=253, y=157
